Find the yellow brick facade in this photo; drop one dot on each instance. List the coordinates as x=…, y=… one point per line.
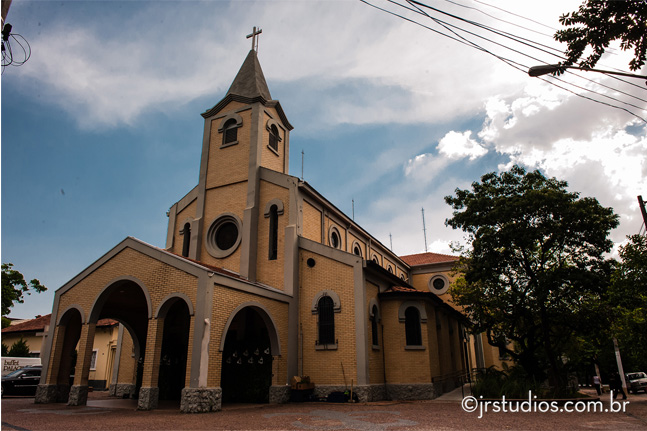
x=241, y=180
x=270, y=272
x=338, y=365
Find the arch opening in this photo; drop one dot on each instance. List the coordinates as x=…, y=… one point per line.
x=175, y=347
x=247, y=358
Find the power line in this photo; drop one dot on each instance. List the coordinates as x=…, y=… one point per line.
x=415, y=7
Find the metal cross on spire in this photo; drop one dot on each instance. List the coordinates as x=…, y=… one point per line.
x=254, y=38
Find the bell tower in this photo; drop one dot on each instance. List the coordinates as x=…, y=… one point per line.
x=243, y=133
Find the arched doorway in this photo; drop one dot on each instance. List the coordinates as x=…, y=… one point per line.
x=246, y=374
x=127, y=301
x=175, y=346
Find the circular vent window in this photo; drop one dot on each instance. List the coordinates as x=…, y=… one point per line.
x=223, y=236
x=438, y=284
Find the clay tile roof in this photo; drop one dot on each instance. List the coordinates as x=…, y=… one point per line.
x=428, y=258
x=33, y=325
x=39, y=323
x=402, y=289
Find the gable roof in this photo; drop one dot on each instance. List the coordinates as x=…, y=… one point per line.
x=428, y=258
x=39, y=324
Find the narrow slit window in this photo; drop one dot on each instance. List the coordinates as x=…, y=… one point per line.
x=374, y=334
x=274, y=233
x=186, y=242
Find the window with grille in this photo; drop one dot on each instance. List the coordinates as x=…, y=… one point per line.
x=274, y=138
x=230, y=132
x=326, y=320
x=412, y=327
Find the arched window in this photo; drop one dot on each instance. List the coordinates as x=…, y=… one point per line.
x=325, y=308
x=186, y=243
x=374, y=334
x=274, y=232
x=274, y=138
x=412, y=326
x=334, y=238
x=230, y=132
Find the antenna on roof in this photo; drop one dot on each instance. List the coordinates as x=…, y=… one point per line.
x=302, y=154
x=353, y=202
x=391, y=239
x=424, y=229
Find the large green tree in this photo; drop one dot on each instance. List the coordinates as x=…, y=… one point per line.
x=627, y=302
x=597, y=23
x=533, y=266
x=14, y=287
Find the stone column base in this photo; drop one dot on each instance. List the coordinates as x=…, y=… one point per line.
x=411, y=391
x=200, y=400
x=148, y=398
x=279, y=394
x=46, y=394
x=78, y=395
x=122, y=390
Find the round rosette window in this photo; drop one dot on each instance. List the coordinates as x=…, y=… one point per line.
x=438, y=284
x=224, y=235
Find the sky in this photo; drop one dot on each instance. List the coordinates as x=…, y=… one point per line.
x=101, y=130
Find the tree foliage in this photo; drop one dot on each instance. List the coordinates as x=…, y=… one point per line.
x=535, y=265
x=597, y=23
x=14, y=287
x=627, y=301
x=19, y=349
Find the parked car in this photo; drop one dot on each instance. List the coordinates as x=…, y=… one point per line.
x=636, y=382
x=21, y=382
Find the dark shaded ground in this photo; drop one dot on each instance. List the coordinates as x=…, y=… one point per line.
x=104, y=413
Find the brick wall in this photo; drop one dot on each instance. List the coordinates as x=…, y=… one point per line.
x=325, y=366
x=230, y=164
x=311, y=222
x=403, y=366
x=270, y=272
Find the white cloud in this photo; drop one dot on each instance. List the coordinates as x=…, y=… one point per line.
x=457, y=145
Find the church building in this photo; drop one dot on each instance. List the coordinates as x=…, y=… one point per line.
x=262, y=280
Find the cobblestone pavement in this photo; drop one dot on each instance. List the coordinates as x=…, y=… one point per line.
x=104, y=413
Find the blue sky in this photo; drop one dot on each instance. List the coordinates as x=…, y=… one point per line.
x=101, y=128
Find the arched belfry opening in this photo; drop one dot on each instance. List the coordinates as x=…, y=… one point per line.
x=175, y=346
x=247, y=357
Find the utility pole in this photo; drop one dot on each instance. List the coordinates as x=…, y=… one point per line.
x=619, y=362
x=424, y=229
x=641, y=203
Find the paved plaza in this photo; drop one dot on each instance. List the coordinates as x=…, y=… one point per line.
x=445, y=413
